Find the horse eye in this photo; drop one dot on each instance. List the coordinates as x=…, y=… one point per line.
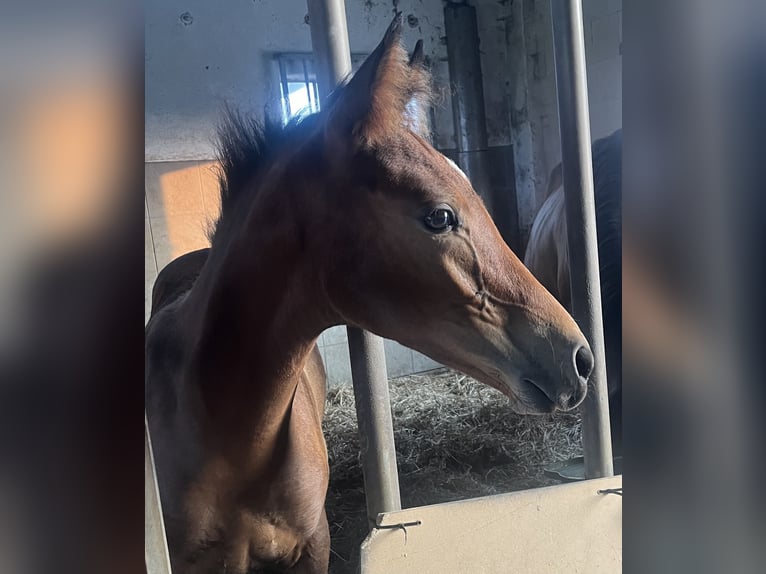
x=440, y=219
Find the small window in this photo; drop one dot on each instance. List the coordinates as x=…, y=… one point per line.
x=299, y=92
x=298, y=85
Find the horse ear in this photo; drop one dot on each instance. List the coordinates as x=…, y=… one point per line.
x=420, y=93
x=417, y=59
x=378, y=98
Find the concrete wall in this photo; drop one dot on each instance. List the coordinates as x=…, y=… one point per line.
x=201, y=53
x=531, y=88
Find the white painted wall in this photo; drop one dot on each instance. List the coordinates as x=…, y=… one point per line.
x=200, y=54
x=603, y=51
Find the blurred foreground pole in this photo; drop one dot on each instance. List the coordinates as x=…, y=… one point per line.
x=574, y=124
x=329, y=40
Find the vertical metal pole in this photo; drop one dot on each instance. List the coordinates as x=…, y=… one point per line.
x=469, y=116
x=376, y=429
x=285, y=88
x=313, y=105
x=574, y=124
x=156, y=554
x=329, y=39
x=464, y=63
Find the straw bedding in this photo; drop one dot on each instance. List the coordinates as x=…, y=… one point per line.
x=455, y=439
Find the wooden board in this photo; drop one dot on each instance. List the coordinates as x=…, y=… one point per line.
x=566, y=528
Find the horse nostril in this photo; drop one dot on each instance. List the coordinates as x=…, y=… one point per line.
x=583, y=361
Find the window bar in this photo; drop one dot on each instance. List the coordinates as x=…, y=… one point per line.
x=312, y=104
x=316, y=93
x=285, y=89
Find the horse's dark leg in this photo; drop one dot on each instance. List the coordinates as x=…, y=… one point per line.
x=316, y=556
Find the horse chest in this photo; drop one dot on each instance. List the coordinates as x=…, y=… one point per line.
x=264, y=520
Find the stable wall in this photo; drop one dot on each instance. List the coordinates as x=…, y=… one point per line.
x=200, y=54
x=531, y=85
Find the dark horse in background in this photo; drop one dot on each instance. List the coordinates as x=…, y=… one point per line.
x=547, y=257
x=351, y=217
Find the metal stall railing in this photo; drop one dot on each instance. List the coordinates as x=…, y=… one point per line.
x=329, y=40
x=576, y=161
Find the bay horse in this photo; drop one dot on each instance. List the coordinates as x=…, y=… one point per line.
x=350, y=217
x=548, y=258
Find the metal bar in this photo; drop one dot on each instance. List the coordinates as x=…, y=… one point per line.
x=469, y=116
x=329, y=41
x=316, y=95
x=285, y=88
x=156, y=554
x=298, y=54
x=329, y=38
x=376, y=431
x=464, y=63
x=574, y=124
x=312, y=105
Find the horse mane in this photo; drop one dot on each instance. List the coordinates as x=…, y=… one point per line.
x=246, y=146
x=607, y=181
x=607, y=170
x=603, y=155
x=607, y=161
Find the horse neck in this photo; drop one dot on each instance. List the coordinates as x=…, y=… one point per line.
x=258, y=309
